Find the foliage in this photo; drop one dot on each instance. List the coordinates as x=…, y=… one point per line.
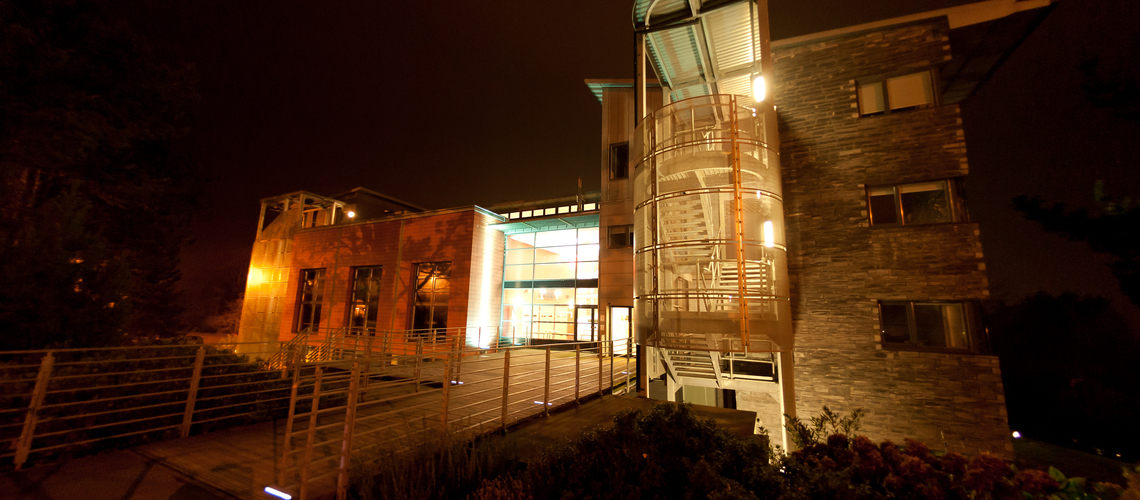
x=228, y=320
x=1114, y=230
x=1069, y=372
x=825, y=424
x=94, y=198
x=442, y=469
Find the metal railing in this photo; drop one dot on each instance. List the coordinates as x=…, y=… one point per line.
x=340, y=412
x=372, y=385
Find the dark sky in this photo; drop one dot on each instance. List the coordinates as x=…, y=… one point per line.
x=457, y=103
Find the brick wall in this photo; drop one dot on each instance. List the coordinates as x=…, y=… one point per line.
x=397, y=245
x=840, y=266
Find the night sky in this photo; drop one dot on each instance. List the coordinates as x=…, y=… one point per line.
x=448, y=104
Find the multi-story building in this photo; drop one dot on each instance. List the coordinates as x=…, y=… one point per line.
x=781, y=225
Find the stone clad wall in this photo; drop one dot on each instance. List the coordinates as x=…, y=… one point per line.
x=840, y=266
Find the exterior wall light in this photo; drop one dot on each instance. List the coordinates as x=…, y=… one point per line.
x=351, y=214
x=759, y=88
x=278, y=493
x=769, y=234
x=1016, y=435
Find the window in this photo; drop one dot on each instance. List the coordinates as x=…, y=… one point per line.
x=940, y=325
x=365, y=301
x=311, y=295
x=619, y=161
x=915, y=90
x=433, y=289
x=620, y=236
x=918, y=203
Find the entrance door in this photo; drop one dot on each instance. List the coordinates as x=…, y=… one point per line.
x=621, y=329
x=586, y=327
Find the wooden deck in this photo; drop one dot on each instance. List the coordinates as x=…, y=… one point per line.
x=393, y=411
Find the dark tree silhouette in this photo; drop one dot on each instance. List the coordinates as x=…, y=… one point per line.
x=94, y=203
x=1113, y=230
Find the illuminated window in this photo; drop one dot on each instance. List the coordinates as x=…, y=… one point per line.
x=365, y=302
x=917, y=203
x=620, y=236
x=433, y=289
x=550, y=284
x=915, y=90
x=941, y=325
x=619, y=161
x=311, y=295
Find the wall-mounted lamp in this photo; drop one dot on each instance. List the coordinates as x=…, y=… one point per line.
x=769, y=234
x=351, y=214
x=759, y=89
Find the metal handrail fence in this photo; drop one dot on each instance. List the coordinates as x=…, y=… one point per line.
x=378, y=400
x=81, y=400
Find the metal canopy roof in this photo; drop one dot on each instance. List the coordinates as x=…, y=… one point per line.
x=701, y=47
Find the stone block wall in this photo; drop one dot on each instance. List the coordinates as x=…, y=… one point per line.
x=840, y=266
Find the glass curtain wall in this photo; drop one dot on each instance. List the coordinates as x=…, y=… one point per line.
x=549, y=278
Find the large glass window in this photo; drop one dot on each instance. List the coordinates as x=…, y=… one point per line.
x=915, y=90
x=365, y=302
x=547, y=276
x=918, y=203
x=433, y=289
x=925, y=324
x=310, y=297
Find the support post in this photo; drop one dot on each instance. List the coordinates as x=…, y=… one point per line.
x=546, y=390
x=312, y=435
x=601, y=366
x=192, y=395
x=419, y=362
x=346, y=441
x=577, y=371
x=787, y=391
x=24, y=446
x=506, y=385
x=639, y=87
x=445, y=397
x=289, y=426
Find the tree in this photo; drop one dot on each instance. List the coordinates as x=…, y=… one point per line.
x=1113, y=230
x=91, y=187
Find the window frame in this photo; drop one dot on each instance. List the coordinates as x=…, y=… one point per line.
x=628, y=236
x=881, y=82
x=955, y=194
x=352, y=302
x=618, y=171
x=975, y=340
x=430, y=331
x=299, y=324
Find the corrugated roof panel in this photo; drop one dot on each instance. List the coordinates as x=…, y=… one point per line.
x=678, y=60
x=741, y=86
x=729, y=34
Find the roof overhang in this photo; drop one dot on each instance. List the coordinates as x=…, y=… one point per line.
x=548, y=224
x=701, y=47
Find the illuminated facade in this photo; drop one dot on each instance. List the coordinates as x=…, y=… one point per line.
x=780, y=226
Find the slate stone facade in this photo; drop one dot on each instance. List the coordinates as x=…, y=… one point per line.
x=841, y=267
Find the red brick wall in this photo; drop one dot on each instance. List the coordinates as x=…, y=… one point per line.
x=338, y=249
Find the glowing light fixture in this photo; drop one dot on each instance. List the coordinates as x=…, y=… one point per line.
x=1016, y=435
x=769, y=234
x=759, y=88
x=254, y=277
x=351, y=214
x=278, y=494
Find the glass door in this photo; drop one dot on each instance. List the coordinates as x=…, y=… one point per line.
x=586, y=327
x=621, y=330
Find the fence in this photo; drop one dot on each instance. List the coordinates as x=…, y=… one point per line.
x=342, y=393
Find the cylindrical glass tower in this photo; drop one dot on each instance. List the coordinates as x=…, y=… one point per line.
x=711, y=262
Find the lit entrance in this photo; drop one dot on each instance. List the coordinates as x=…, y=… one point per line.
x=586, y=326
x=621, y=329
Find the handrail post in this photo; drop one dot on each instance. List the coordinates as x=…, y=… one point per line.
x=24, y=446
x=601, y=366
x=346, y=441
x=419, y=361
x=445, y=397
x=628, y=354
x=612, y=353
x=546, y=390
x=289, y=425
x=506, y=384
x=577, y=371
x=192, y=395
x=312, y=434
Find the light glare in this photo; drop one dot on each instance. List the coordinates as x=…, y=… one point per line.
x=1016, y=435
x=351, y=214
x=769, y=234
x=759, y=89
x=278, y=494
